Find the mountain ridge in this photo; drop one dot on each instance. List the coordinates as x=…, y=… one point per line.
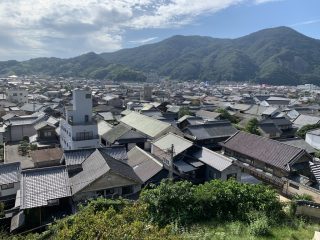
x=279, y=56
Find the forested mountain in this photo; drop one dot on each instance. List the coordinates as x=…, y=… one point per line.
x=274, y=56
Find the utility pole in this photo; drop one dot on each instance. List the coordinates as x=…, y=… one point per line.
x=171, y=162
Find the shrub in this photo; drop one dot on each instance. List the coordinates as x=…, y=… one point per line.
x=305, y=197
x=259, y=226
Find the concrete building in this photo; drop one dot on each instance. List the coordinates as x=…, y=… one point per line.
x=147, y=92
x=17, y=95
x=78, y=129
x=313, y=138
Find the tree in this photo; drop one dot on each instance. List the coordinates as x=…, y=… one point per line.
x=252, y=126
x=184, y=111
x=303, y=131
x=227, y=116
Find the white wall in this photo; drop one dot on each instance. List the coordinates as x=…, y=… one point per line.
x=313, y=140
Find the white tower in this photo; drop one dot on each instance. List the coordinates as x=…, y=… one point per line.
x=78, y=129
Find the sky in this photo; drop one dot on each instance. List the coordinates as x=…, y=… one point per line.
x=68, y=28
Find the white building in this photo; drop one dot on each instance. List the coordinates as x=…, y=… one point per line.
x=17, y=95
x=78, y=129
x=313, y=138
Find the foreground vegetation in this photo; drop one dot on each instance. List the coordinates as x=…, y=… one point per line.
x=214, y=210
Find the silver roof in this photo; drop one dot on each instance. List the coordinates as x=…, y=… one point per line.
x=43, y=184
x=10, y=173
x=213, y=159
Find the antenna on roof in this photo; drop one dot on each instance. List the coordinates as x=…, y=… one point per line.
x=171, y=162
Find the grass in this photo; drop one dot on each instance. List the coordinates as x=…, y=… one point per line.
x=296, y=230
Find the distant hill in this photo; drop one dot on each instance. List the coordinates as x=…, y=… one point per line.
x=274, y=56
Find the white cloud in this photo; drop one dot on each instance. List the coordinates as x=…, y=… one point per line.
x=143, y=41
x=305, y=22
x=30, y=28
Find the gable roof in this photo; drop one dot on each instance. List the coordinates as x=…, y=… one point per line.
x=207, y=114
x=10, y=173
x=42, y=184
x=264, y=149
x=95, y=166
x=302, y=120
x=165, y=142
x=144, y=164
x=210, y=130
x=147, y=125
x=212, y=159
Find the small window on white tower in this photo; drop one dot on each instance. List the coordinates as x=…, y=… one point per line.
x=86, y=118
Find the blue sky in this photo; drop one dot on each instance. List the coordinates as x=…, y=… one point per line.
x=37, y=28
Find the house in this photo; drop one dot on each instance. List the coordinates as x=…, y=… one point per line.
x=171, y=150
x=147, y=167
x=270, y=156
x=10, y=174
x=276, y=102
x=277, y=127
x=44, y=196
x=17, y=95
x=106, y=116
x=313, y=138
x=123, y=135
x=207, y=115
x=300, y=143
x=217, y=166
x=188, y=120
x=74, y=158
x=77, y=128
x=210, y=134
x=46, y=135
x=148, y=126
x=19, y=127
x=303, y=120
x=46, y=157
x=103, y=175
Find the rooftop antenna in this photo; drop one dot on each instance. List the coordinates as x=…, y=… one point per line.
x=171, y=162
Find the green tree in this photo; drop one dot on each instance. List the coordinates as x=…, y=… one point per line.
x=303, y=131
x=252, y=126
x=227, y=116
x=184, y=111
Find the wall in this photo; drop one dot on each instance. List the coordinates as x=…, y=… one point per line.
x=10, y=191
x=313, y=140
x=297, y=188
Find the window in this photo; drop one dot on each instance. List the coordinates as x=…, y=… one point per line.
x=47, y=134
x=7, y=186
x=14, y=94
x=127, y=190
x=86, y=118
x=20, y=94
x=53, y=202
x=84, y=136
x=88, y=95
x=232, y=175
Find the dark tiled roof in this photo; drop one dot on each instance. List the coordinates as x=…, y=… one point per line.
x=117, y=152
x=269, y=128
x=266, y=150
x=43, y=184
x=10, y=173
x=210, y=130
x=144, y=164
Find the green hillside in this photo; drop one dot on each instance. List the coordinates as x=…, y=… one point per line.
x=274, y=56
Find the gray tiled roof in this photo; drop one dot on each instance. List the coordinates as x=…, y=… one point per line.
x=43, y=184
x=116, y=132
x=213, y=159
x=98, y=164
x=144, y=164
x=266, y=150
x=216, y=129
x=117, y=152
x=76, y=157
x=10, y=173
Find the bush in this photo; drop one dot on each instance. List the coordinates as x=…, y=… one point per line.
x=259, y=226
x=305, y=197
